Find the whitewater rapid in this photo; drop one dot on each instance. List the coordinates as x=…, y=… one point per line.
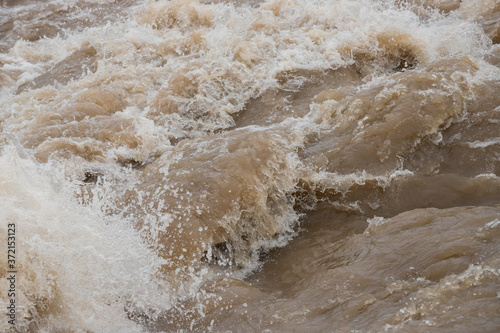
x=278, y=166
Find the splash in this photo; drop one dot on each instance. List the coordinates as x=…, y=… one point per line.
x=196, y=165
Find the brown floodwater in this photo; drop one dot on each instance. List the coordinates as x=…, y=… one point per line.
x=251, y=166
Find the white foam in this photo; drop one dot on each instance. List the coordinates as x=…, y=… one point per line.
x=90, y=265
x=483, y=144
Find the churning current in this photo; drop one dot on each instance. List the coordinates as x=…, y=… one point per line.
x=250, y=166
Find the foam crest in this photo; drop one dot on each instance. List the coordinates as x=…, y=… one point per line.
x=78, y=269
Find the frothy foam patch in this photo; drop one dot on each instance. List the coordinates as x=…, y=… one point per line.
x=78, y=268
